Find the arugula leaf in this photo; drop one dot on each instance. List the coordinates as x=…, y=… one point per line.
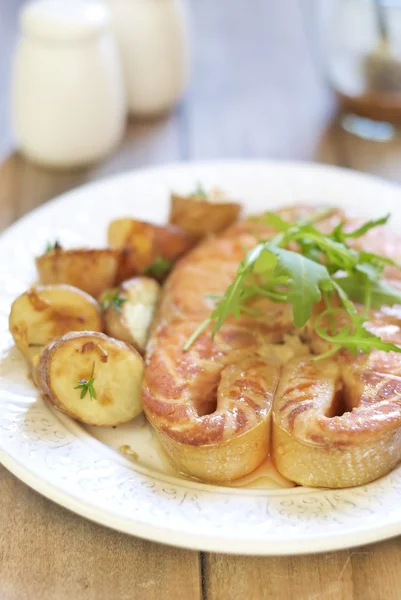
x=265, y=263
x=230, y=303
x=342, y=235
x=377, y=259
x=273, y=220
x=353, y=337
x=305, y=278
x=325, y=265
x=335, y=252
x=382, y=293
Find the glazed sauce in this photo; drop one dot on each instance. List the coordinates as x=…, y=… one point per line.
x=264, y=476
x=138, y=442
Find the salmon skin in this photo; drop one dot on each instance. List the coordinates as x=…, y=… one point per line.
x=213, y=406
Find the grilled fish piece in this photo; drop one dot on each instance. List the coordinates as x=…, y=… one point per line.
x=211, y=406
x=337, y=423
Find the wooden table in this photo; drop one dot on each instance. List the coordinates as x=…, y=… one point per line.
x=256, y=92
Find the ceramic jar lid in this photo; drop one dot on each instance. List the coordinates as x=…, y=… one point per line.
x=62, y=20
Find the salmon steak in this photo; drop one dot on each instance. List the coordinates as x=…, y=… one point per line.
x=220, y=408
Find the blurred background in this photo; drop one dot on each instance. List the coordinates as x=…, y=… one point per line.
x=311, y=80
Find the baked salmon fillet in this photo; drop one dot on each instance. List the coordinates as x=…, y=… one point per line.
x=211, y=406
x=315, y=446
x=221, y=407
x=337, y=422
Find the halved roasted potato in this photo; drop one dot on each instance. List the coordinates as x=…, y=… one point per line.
x=44, y=313
x=129, y=310
x=147, y=247
x=201, y=214
x=92, y=378
x=90, y=270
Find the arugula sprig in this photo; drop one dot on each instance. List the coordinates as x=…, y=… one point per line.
x=323, y=266
x=353, y=336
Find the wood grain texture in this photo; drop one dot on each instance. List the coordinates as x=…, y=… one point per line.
x=48, y=553
x=367, y=573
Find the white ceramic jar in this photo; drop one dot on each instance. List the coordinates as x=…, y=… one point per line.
x=153, y=41
x=68, y=93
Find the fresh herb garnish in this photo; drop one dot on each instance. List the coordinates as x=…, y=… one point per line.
x=87, y=386
x=51, y=247
x=114, y=299
x=159, y=268
x=199, y=191
x=324, y=266
x=353, y=336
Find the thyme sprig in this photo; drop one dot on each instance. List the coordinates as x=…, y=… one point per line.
x=87, y=386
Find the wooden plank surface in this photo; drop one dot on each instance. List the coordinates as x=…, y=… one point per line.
x=368, y=573
x=255, y=92
x=48, y=553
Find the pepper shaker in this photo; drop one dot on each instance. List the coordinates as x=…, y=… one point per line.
x=68, y=94
x=153, y=41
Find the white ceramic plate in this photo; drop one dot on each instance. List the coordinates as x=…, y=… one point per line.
x=83, y=470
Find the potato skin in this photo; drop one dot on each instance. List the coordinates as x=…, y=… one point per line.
x=90, y=270
x=132, y=321
x=198, y=217
x=44, y=313
x=143, y=243
x=116, y=367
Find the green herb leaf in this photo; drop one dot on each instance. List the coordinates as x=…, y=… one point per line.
x=114, y=299
x=51, y=247
x=382, y=293
x=199, y=191
x=305, y=279
x=353, y=337
x=230, y=303
x=87, y=386
x=360, y=231
x=159, y=268
x=273, y=220
x=325, y=265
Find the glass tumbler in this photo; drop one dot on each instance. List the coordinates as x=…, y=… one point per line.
x=360, y=43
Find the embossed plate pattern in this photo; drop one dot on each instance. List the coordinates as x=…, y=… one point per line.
x=63, y=462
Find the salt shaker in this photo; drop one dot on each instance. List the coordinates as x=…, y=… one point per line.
x=153, y=42
x=68, y=93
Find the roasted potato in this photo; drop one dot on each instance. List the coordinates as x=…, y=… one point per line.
x=92, y=271
x=199, y=214
x=44, y=313
x=145, y=246
x=129, y=310
x=92, y=378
